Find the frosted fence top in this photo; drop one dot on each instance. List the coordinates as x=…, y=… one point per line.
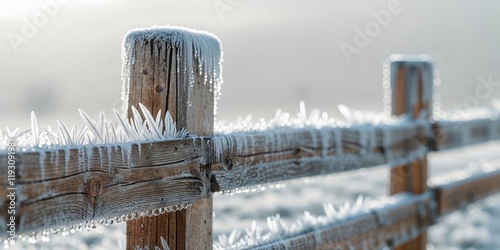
x=410, y=58
x=191, y=46
x=174, y=34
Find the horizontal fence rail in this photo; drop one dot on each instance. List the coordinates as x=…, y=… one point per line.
x=463, y=132
x=397, y=222
x=245, y=159
x=65, y=187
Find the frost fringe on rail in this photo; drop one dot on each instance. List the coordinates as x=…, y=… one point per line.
x=150, y=129
x=278, y=230
x=102, y=132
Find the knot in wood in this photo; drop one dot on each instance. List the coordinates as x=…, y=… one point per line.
x=94, y=187
x=159, y=88
x=228, y=162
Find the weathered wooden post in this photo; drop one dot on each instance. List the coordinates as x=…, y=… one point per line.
x=411, y=82
x=177, y=70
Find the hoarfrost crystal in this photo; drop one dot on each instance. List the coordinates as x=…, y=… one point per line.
x=104, y=132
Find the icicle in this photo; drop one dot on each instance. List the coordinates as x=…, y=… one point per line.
x=89, y=153
x=325, y=140
x=66, y=160
x=108, y=152
x=99, y=150
x=41, y=162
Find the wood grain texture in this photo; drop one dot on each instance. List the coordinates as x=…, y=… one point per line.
x=459, y=133
x=164, y=174
x=160, y=82
x=240, y=160
x=458, y=194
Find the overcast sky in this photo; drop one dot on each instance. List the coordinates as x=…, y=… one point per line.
x=57, y=59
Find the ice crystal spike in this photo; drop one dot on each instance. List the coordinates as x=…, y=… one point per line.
x=102, y=132
x=152, y=124
x=91, y=124
x=316, y=119
x=34, y=130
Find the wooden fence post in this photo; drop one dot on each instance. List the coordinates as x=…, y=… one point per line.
x=411, y=89
x=161, y=64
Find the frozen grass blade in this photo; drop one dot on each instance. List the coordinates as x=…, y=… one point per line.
x=12, y=134
x=158, y=121
x=112, y=130
x=169, y=126
x=80, y=137
x=65, y=135
x=102, y=124
x=91, y=124
x=164, y=244
x=125, y=125
x=140, y=125
x=52, y=136
x=34, y=130
x=151, y=122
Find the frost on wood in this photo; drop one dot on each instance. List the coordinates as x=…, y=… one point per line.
x=457, y=128
x=189, y=45
x=280, y=235
x=306, y=145
x=163, y=243
x=121, y=134
x=408, y=69
x=315, y=120
x=65, y=230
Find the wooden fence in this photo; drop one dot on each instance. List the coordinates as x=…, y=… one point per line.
x=163, y=188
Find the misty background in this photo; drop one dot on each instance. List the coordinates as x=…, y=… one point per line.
x=276, y=53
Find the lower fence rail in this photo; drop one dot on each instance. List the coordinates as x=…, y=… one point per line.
x=398, y=220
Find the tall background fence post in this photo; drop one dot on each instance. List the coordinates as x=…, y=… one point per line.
x=160, y=80
x=411, y=79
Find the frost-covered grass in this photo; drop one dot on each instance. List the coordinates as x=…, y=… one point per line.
x=315, y=118
x=94, y=132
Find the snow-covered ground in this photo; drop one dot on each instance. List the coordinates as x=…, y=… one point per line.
x=474, y=227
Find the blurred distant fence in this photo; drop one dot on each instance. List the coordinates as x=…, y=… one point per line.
x=137, y=187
